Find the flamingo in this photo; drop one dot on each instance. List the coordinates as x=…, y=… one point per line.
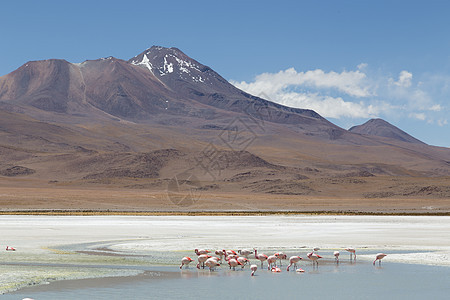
x=8, y=248
x=229, y=252
x=233, y=263
x=281, y=256
x=201, y=260
x=271, y=261
x=185, y=261
x=245, y=252
x=276, y=270
x=201, y=251
x=231, y=256
x=336, y=256
x=315, y=249
x=219, y=253
x=293, y=260
x=352, y=251
x=253, y=268
x=379, y=257
x=212, y=263
x=314, y=257
x=261, y=257
x=242, y=260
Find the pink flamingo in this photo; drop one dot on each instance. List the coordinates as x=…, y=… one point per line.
x=352, y=251
x=293, y=260
x=314, y=257
x=379, y=257
x=253, y=268
x=245, y=252
x=336, y=256
x=8, y=248
x=271, y=261
x=231, y=256
x=261, y=257
x=229, y=252
x=201, y=260
x=201, y=251
x=281, y=256
x=185, y=261
x=212, y=263
x=219, y=253
x=234, y=263
x=242, y=260
x=276, y=270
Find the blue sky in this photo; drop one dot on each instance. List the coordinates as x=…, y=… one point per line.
x=349, y=60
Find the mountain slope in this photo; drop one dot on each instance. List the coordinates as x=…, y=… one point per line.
x=379, y=127
x=138, y=123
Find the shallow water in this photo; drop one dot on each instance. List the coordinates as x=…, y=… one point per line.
x=56, y=248
x=359, y=280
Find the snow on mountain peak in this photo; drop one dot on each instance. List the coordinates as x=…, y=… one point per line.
x=170, y=61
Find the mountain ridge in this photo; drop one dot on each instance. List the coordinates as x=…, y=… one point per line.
x=138, y=123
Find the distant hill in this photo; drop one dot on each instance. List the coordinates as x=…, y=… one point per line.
x=379, y=127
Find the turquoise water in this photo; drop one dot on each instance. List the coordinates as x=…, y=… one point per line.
x=360, y=280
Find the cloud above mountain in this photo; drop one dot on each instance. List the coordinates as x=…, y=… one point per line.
x=358, y=93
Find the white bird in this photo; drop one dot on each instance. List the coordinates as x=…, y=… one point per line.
x=219, y=253
x=201, y=260
x=314, y=257
x=352, y=251
x=293, y=260
x=242, y=260
x=212, y=263
x=336, y=255
x=185, y=261
x=233, y=263
x=379, y=257
x=261, y=257
x=201, y=251
x=253, y=268
x=245, y=252
x=281, y=256
x=271, y=261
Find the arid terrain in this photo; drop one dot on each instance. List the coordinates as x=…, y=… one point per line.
x=162, y=132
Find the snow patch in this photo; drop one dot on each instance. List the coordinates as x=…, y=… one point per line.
x=168, y=67
x=145, y=62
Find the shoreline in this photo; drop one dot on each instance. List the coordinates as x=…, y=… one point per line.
x=57, y=212
x=61, y=246
x=75, y=284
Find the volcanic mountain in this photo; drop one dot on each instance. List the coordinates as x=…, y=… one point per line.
x=379, y=127
x=140, y=123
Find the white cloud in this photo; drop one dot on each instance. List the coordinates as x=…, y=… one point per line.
x=330, y=107
x=404, y=79
x=418, y=116
x=351, y=83
x=362, y=66
x=283, y=87
x=351, y=94
x=435, y=107
x=442, y=122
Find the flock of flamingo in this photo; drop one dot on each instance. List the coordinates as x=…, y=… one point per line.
x=241, y=258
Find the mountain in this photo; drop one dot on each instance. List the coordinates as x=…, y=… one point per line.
x=135, y=125
x=379, y=127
